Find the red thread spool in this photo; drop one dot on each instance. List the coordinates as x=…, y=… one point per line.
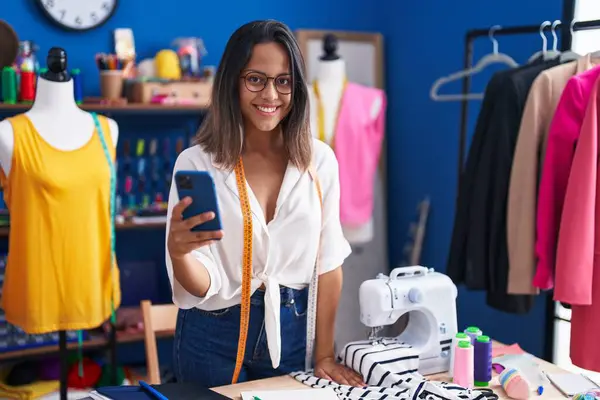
x=27, y=89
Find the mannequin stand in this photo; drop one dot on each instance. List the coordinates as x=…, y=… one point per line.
x=64, y=363
x=112, y=349
x=64, y=360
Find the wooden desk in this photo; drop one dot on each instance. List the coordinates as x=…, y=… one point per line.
x=287, y=382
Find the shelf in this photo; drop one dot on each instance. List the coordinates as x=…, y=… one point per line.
x=95, y=341
x=133, y=225
x=5, y=230
x=124, y=109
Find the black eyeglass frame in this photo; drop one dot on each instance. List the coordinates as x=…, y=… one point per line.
x=267, y=78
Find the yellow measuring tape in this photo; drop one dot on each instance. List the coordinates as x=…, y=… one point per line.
x=321, y=112
x=247, y=270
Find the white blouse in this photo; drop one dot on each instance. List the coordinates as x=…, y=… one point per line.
x=284, y=251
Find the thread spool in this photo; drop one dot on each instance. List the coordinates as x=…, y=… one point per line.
x=460, y=336
x=77, y=85
x=514, y=384
x=27, y=87
x=463, y=364
x=9, y=85
x=483, y=361
x=473, y=332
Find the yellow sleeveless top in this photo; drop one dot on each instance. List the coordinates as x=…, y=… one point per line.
x=58, y=272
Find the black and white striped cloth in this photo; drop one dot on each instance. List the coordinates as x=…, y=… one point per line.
x=390, y=369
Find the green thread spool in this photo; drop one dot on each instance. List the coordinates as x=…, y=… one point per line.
x=9, y=85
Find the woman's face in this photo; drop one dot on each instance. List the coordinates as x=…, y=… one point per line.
x=266, y=87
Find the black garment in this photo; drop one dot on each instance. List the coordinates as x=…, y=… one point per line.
x=462, y=267
x=479, y=251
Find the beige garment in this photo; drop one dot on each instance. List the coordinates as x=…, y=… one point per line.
x=524, y=178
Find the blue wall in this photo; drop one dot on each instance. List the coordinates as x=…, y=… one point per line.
x=157, y=25
x=423, y=39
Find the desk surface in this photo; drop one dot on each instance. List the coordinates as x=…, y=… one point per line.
x=287, y=382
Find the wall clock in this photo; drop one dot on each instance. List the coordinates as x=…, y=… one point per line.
x=78, y=15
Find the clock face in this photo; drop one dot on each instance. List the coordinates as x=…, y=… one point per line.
x=78, y=15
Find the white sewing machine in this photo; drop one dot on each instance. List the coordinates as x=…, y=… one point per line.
x=429, y=297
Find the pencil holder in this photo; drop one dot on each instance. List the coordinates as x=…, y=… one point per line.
x=111, y=84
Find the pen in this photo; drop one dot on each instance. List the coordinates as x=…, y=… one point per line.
x=153, y=392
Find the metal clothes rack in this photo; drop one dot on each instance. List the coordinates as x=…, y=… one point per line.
x=471, y=35
x=513, y=30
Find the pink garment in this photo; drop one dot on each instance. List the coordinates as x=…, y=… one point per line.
x=576, y=238
x=562, y=138
x=357, y=146
x=577, y=267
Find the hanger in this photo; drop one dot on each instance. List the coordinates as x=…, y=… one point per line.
x=489, y=59
x=569, y=55
x=552, y=54
x=545, y=53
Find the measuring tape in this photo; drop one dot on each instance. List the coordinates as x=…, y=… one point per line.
x=321, y=112
x=311, y=314
x=247, y=274
x=246, y=268
x=113, y=191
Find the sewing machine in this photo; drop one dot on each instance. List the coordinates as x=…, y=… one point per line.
x=429, y=297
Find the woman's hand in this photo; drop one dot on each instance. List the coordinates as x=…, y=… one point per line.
x=181, y=240
x=327, y=368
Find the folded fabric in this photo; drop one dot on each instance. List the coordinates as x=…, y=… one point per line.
x=389, y=368
x=31, y=391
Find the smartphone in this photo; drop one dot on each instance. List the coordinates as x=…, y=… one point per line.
x=199, y=185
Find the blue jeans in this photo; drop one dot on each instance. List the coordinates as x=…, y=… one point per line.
x=206, y=342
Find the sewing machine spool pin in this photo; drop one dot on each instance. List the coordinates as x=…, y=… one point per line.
x=428, y=297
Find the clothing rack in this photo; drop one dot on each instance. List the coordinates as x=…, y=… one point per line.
x=564, y=29
x=513, y=30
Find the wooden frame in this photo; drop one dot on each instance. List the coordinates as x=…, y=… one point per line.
x=376, y=39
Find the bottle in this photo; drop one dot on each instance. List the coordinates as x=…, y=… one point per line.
x=463, y=365
x=460, y=336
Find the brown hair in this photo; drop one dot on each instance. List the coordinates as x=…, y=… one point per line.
x=221, y=132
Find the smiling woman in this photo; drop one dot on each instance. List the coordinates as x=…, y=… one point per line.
x=264, y=105
x=248, y=294
x=264, y=68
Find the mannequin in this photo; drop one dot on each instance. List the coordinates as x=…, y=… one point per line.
x=64, y=127
x=331, y=76
x=55, y=114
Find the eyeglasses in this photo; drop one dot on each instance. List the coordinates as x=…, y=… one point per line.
x=257, y=82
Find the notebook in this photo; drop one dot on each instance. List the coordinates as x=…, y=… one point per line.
x=172, y=391
x=295, y=394
x=571, y=384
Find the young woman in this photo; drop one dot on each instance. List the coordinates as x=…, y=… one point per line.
x=257, y=127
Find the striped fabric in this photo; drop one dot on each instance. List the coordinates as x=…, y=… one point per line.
x=389, y=367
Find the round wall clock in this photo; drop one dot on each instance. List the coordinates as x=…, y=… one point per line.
x=78, y=15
